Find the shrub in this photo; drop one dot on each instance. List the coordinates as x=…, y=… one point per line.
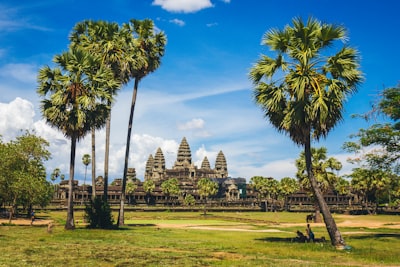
x=98, y=214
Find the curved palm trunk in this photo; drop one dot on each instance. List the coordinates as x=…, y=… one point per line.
x=121, y=220
x=106, y=157
x=70, y=224
x=93, y=164
x=333, y=231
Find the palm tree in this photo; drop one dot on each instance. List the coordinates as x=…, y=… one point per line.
x=171, y=188
x=147, y=48
x=86, y=160
x=206, y=188
x=73, y=92
x=108, y=41
x=55, y=174
x=302, y=90
x=287, y=186
x=148, y=187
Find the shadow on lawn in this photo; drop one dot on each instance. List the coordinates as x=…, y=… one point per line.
x=372, y=235
x=276, y=239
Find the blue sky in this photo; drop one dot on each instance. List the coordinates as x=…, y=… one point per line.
x=202, y=90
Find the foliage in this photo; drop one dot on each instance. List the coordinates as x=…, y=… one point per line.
x=149, y=186
x=86, y=160
x=302, y=90
x=266, y=187
x=206, y=188
x=145, y=53
x=75, y=100
x=98, y=214
x=109, y=42
x=22, y=171
x=170, y=187
x=288, y=186
x=377, y=153
x=324, y=169
x=189, y=200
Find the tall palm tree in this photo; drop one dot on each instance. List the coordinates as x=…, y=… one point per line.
x=108, y=41
x=73, y=92
x=147, y=48
x=86, y=160
x=302, y=90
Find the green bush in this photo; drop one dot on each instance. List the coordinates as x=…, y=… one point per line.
x=98, y=214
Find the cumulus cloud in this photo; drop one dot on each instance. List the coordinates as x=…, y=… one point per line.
x=14, y=117
x=177, y=22
x=183, y=6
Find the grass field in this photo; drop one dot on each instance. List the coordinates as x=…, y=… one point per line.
x=192, y=239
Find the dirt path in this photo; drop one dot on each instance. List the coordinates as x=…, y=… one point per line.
x=21, y=221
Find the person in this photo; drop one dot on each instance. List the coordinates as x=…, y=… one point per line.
x=300, y=237
x=32, y=216
x=310, y=233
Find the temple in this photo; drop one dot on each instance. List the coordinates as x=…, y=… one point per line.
x=184, y=169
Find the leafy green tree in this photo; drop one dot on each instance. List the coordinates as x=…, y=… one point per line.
x=324, y=172
x=266, y=187
x=287, y=186
x=377, y=152
x=146, y=52
x=108, y=41
x=149, y=187
x=189, y=200
x=75, y=100
x=302, y=89
x=171, y=188
x=206, y=188
x=22, y=172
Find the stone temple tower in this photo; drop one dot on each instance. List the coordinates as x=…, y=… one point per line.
x=184, y=169
x=221, y=166
x=155, y=167
x=184, y=158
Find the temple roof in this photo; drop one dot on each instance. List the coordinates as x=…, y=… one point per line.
x=205, y=164
x=184, y=154
x=159, y=160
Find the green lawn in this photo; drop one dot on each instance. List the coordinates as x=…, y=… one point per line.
x=235, y=239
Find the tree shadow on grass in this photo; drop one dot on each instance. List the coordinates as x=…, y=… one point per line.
x=277, y=239
x=377, y=235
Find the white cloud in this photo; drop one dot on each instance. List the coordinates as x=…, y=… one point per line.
x=196, y=123
x=178, y=22
x=184, y=6
x=14, y=117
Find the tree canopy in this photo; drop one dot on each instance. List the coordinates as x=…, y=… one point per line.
x=22, y=172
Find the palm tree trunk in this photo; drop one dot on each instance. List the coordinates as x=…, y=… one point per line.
x=121, y=221
x=93, y=163
x=70, y=224
x=106, y=157
x=333, y=231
